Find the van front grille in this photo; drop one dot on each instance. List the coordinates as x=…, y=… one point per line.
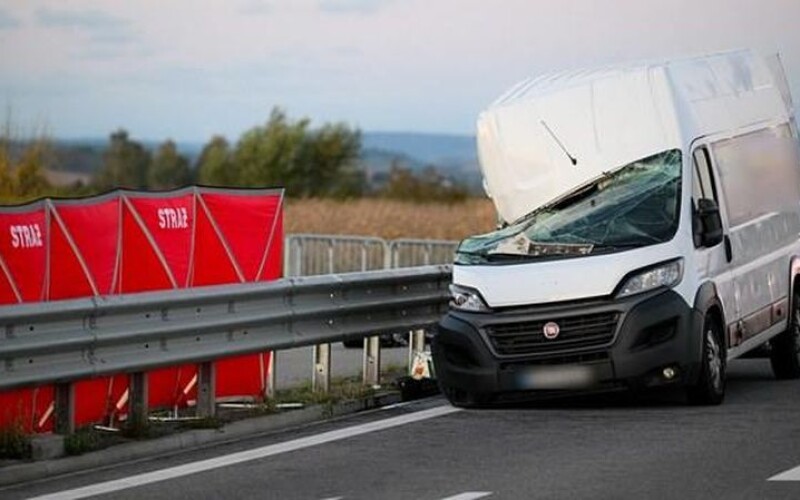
x=575, y=332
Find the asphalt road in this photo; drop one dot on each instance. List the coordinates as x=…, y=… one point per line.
x=613, y=447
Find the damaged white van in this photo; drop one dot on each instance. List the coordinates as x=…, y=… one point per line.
x=651, y=219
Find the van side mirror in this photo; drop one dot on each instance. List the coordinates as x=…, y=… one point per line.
x=710, y=222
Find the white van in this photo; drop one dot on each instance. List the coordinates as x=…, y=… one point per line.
x=651, y=222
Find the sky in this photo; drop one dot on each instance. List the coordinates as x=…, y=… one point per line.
x=189, y=69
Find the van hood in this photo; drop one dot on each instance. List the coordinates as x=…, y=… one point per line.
x=542, y=282
x=551, y=135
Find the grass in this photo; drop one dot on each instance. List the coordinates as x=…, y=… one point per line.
x=15, y=443
x=83, y=440
x=389, y=219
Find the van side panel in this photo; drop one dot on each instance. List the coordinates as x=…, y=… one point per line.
x=760, y=179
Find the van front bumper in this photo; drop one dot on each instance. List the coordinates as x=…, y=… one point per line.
x=646, y=340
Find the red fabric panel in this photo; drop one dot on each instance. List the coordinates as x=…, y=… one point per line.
x=242, y=375
x=141, y=268
x=171, y=386
x=94, y=228
x=273, y=267
x=26, y=408
x=67, y=277
x=96, y=399
x=170, y=220
x=246, y=222
x=212, y=266
x=23, y=243
x=7, y=295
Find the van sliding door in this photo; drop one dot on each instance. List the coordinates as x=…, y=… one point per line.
x=760, y=182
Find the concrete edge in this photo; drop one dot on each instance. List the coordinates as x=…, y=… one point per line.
x=127, y=452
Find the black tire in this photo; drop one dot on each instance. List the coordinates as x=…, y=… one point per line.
x=710, y=386
x=785, y=353
x=465, y=399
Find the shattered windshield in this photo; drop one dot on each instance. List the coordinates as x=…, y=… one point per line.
x=632, y=206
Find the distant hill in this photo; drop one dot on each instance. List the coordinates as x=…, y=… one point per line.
x=427, y=148
x=455, y=156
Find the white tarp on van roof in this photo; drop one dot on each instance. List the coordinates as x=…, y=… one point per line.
x=551, y=134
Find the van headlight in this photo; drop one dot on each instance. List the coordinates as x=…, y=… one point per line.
x=666, y=274
x=467, y=299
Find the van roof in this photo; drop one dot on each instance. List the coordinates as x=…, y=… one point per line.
x=609, y=116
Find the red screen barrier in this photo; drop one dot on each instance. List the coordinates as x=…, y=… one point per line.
x=127, y=242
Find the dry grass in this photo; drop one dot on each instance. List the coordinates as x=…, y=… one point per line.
x=389, y=219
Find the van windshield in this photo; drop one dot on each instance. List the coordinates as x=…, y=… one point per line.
x=632, y=206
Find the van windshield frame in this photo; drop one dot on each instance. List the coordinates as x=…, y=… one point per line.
x=633, y=206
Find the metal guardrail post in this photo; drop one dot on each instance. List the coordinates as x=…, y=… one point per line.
x=416, y=344
x=272, y=378
x=206, y=389
x=321, y=381
x=137, y=399
x=65, y=408
x=372, y=362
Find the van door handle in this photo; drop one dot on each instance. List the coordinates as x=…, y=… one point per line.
x=728, y=248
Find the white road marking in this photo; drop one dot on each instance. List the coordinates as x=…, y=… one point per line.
x=469, y=495
x=247, y=455
x=789, y=475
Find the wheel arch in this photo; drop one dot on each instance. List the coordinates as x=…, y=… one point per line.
x=794, y=274
x=706, y=301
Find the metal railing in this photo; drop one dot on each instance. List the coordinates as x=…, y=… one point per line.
x=410, y=253
x=312, y=254
x=64, y=341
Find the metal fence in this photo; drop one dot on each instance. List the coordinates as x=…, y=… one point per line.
x=312, y=254
x=411, y=253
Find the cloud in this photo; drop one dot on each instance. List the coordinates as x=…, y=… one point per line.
x=88, y=20
x=107, y=35
x=255, y=7
x=353, y=6
x=7, y=21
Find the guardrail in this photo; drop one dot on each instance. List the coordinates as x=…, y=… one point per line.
x=64, y=341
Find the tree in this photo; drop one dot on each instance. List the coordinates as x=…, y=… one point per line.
x=31, y=182
x=125, y=163
x=267, y=155
x=306, y=162
x=169, y=169
x=8, y=185
x=329, y=166
x=214, y=166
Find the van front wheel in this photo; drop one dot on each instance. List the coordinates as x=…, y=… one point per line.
x=710, y=387
x=786, y=346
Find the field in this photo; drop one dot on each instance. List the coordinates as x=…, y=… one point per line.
x=389, y=219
